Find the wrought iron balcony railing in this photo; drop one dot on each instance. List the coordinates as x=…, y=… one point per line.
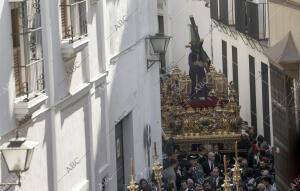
x=248, y=17
x=73, y=18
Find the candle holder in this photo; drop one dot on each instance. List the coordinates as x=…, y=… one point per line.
x=157, y=169
x=132, y=186
x=226, y=186
x=236, y=177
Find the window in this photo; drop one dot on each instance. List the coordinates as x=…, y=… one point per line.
x=240, y=15
x=235, y=71
x=27, y=48
x=214, y=9
x=251, y=18
x=252, y=91
x=265, y=99
x=161, y=28
x=73, y=19
x=224, y=57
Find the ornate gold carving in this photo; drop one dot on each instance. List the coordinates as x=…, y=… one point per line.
x=184, y=123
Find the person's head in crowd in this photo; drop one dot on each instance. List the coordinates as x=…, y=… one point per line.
x=215, y=172
x=265, y=173
x=144, y=186
x=202, y=150
x=261, y=187
x=260, y=139
x=183, y=184
x=174, y=155
x=193, y=159
x=248, y=173
x=198, y=187
x=262, y=164
x=173, y=163
x=267, y=181
x=218, y=188
x=244, y=162
x=272, y=150
x=182, y=155
x=269, y=165
x=216, y=148
x=170, y=187
x=227, y=160
x=251, y=131
x=207, y=185
x=211, y=156
x=190, y=183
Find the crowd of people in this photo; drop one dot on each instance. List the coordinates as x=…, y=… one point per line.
x=204, y=170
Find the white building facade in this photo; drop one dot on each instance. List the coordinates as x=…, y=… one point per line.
x=238, y=55
x=74, y=78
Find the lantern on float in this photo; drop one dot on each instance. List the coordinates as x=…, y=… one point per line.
x=211, y=78
x=221, y=85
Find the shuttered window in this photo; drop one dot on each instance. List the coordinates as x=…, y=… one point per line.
x=73, y=19
x=27, y=48
x=224, y=57
x=235, y=71
x=265, y=99
x=252, y=91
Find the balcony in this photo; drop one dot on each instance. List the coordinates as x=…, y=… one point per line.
x=223, y=11
x=251, y=18
x=257, y=22
x=248, y=16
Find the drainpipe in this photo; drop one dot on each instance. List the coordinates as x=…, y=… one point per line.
x=51, y=92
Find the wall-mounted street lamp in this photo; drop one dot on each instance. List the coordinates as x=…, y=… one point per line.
x=17, y=154
x=159, y=44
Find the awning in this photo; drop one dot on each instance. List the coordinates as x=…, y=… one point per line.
x=285, y=56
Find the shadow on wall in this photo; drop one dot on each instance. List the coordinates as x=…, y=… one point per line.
x=123, y=83
x=7, y=71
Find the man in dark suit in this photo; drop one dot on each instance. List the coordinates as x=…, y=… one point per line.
x=209, y=164
x=218, y=157
x=215, y=178
x=202, y=155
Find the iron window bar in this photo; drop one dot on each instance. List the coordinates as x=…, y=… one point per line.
x=28, y=53
x=31, y=30
x=70, y=31
x=33, y=83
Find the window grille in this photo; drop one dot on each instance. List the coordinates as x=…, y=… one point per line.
x=73, y=19
x=27, y=48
